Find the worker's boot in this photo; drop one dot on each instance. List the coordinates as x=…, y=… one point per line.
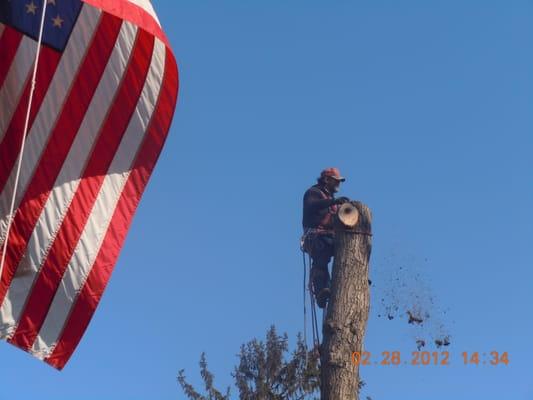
x=322, y=297
x=320, y=279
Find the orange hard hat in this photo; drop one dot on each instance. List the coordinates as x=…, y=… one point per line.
x=332, y=173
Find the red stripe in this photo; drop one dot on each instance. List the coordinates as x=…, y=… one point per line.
x=10, y=145
x=91, y=293
x=133, y=13
x=9, y=44
x=60, y=141
x=82, y=204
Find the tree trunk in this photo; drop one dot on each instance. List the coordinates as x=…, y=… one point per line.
x=347, y=312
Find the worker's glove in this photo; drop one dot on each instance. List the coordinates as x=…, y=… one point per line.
x=342, y=200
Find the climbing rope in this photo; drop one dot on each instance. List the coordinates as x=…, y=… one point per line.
x=314, y=322
x=23, y=144
x=316, y=336
x=305, y=301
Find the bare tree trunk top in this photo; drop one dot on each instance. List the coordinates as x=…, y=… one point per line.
x=348, y=308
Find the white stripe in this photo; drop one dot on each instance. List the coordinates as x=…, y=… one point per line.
x=15, y=81
x=67, y=181
x=146, y=5
x=94, y=231
x=10, y=95
x=50, y=108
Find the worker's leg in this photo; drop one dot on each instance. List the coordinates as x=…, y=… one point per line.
x=320, y=275
x=323, y=251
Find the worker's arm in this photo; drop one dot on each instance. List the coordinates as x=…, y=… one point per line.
x=314, y=201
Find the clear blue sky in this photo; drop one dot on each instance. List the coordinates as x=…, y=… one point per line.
x=427, y=109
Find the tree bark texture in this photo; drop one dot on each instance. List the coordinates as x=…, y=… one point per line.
x=347, y=313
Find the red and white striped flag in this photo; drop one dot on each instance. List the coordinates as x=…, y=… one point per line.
x=106, y=89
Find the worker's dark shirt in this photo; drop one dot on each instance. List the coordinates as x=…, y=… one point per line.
x=317, y=202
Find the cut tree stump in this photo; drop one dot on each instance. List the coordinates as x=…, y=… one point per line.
x=347, y=313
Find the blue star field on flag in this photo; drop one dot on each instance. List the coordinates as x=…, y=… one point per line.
x=25, y=16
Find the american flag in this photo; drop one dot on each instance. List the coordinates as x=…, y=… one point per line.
x=106, y=89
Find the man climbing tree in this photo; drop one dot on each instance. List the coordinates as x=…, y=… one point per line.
x=319, y=207
x=331, y=230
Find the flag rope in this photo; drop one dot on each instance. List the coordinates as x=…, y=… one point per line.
x=23, y=144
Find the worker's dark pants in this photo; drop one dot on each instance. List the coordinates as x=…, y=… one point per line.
x=321, y=250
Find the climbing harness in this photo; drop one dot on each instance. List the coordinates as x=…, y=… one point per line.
x=358, y=232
